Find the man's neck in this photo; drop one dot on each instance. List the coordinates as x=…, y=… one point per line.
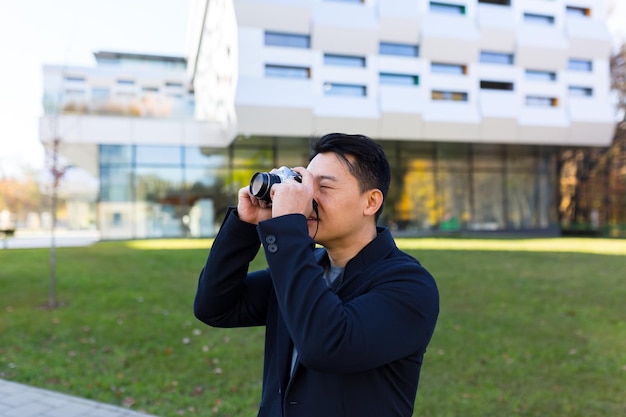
x=339, y=255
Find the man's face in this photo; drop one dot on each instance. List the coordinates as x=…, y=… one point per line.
x=340, y=201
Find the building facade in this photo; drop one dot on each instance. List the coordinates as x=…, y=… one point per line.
x=471, y=100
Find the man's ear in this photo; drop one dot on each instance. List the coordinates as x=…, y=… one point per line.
x=374, y=201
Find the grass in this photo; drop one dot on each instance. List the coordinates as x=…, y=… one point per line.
x=527, y=328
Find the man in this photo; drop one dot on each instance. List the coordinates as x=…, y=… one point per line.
x=347, y=325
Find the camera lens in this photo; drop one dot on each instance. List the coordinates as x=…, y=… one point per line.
x=261, y=184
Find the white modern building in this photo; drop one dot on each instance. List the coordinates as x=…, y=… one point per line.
x=472, y=101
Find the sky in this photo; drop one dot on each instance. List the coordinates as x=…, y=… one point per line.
x=67, y=32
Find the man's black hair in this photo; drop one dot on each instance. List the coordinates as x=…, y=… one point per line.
x=370, y=166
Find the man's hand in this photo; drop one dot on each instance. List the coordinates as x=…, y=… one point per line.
x=250, y=209
x=291, y=196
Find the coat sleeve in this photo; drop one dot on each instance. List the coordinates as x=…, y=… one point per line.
x=227, y=296
x=391, y=318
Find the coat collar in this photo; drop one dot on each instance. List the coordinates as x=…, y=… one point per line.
x=379, y=248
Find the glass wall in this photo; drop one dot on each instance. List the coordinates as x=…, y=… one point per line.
x=176, y=191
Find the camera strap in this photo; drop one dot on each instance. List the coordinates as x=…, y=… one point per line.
x=317, y=218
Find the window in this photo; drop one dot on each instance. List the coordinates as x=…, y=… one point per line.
x=501, y=58
x=344, y=60
x=539, y=19
x=580, y=91
x=100, y=93
x=289, y=40
x=74, y=93
x=125, y=81
x=399, y=49
x=158, y=155
x=577, y=11
x=75, y=78
x=535, y=75
x=447, y=8
x=496, y=85
x=580, y=65
x=540, y=101
x=338, y=89
x=398, y=79
x=453, y=69
x=448, y=95
x=496, y=2
x=284, y=71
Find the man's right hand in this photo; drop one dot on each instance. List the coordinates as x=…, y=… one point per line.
x=250, y=209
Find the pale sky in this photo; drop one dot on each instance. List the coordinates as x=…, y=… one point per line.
x=67, y=32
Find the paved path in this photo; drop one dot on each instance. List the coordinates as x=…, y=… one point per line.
x=17, y=400
x=25, y=239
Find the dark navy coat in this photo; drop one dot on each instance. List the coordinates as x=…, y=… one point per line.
x=360, y=345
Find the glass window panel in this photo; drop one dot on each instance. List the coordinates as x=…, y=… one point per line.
x=209, y=194
x=261, y=158
x=453, y=199
x=290, y=40
x=100, y=94
x=398, y=79
x=538, y=101
x=521, y=158
x=75, y=78
x=344, y=60
x=161, y=202
x=415, y=208
x=535, y=75
x=448, y=95
x=337, y=89
x=282, y=71
x=453, y=156
x=206, y=157
x=580, y=91
x=447, y=8
x=409, y=152
x=488, y=210
x=502, y=58
x=292, y=152
x=522, y=199
x=165, y=155
x=115, y=183
x=584, y=65
x=116, y=154
x=572, y=11
x=538, y=19
x=496, y=85
x=496, y=2
x=398, y=49
x=452, y=69
x=487, y=157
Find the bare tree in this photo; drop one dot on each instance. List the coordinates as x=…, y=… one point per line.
x=57, y=172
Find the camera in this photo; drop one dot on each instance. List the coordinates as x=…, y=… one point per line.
x=261, y=182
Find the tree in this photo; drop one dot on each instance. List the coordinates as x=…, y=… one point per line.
x=57, y=172
x=20, y=195
x=593, y=180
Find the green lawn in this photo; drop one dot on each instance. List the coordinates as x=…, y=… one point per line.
x=527, y=328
